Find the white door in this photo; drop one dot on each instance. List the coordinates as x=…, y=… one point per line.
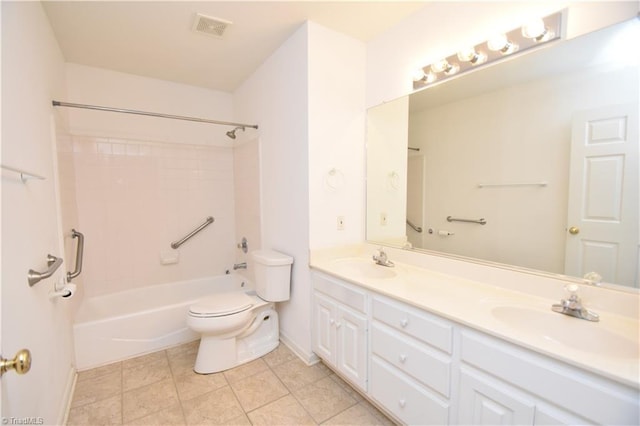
x=602, y=224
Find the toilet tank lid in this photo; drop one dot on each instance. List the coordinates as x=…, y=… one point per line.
x=271, y=258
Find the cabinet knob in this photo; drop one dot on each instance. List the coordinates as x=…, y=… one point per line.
x=338, y=324
x=402, y=358
x=332, y=321
x=404, y=322
x=402, y=403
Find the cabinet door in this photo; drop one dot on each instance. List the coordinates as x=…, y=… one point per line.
x=484, y=401
x=351, y=331
x=324, y=330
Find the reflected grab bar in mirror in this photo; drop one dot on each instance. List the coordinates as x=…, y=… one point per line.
x=481, y=221
x=414, y=226
x=35, y=277
x=79, y=255
x=176, y=244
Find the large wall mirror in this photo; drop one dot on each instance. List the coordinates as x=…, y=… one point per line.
x=529, y=163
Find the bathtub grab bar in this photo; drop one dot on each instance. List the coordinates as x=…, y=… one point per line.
x=79, y=255
x=34, y=277
x=176, y=244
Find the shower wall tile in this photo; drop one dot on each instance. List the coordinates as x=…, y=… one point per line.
x=135, y=197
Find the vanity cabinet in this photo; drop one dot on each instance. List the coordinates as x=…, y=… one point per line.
x=340, y=328
x=424, y=369
x=410, y=362
x=501, y=383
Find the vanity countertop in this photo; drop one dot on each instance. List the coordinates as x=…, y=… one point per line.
x=609, y=347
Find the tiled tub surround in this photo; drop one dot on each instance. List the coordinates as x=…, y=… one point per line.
x=459, y=297
x=134, y=198
x=161, y=388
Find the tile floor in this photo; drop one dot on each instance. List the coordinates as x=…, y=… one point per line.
x=162, y=389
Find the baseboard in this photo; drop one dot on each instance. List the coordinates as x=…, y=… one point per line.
x=67, y=397
x=308, y=358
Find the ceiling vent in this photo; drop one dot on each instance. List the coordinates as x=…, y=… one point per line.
x=210, y=26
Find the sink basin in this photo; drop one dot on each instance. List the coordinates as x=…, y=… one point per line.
x=364, y=267
x=568, y=331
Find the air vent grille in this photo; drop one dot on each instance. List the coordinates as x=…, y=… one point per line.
x=210, y=26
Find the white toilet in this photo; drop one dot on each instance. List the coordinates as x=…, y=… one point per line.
x=238, y=327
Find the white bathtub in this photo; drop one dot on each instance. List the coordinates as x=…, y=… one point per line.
x=122, y=325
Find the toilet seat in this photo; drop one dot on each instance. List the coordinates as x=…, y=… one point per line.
x=221, y=304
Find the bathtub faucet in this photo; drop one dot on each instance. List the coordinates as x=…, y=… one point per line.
x=242, y=265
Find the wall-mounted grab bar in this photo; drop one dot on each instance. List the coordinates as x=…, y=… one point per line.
x=514, y=184
x=35, y=277
x=24, y=175
x=176, y=244
x=79, y=255
x=414, y=226
x=481, y=221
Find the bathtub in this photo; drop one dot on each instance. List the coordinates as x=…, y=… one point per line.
x=122, y=325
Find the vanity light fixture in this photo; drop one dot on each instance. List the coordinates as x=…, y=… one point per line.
x=532, y=35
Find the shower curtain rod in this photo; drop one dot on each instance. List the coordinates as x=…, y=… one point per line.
x=152, y=114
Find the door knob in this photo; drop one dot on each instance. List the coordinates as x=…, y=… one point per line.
x=574, y=230
x=21, y=362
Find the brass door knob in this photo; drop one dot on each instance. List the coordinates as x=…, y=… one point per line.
x=574, y=230
x=21, y=362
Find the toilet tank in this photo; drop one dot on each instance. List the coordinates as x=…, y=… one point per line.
x=273, y=274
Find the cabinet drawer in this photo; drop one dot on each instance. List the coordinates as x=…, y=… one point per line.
x=407, y=400
x=347, y=295
x=415, y=323
x=419, y=361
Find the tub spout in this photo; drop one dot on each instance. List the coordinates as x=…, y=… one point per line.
x=237, y=266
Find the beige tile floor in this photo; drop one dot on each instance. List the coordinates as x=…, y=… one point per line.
x=162, y=389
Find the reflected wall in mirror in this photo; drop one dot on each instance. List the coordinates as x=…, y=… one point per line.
x=543, y=147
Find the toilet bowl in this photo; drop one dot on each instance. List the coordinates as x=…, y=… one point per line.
x=238, y=327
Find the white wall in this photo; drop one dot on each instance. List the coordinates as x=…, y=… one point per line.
x=96, y=86
x=32, y=75
x=275, y=97
x=441, y=28
x=336, y=130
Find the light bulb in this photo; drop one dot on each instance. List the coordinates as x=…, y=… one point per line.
x=418, y=75
x=500, y=43
x=430, y=77
x=452, y=69
x=470, y=55
x=534, y=29
x=439, y=66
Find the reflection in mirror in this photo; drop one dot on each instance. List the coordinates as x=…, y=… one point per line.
x=543, y=148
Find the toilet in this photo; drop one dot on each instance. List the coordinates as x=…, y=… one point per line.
x=237, y=327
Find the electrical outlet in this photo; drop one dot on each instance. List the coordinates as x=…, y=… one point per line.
x=383, y=219
x=340, y=223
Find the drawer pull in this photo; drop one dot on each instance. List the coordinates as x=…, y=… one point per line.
x=402, y=403
x=402, y=358
x=404, y=322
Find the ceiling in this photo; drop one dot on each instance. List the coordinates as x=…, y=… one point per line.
x=154, y=38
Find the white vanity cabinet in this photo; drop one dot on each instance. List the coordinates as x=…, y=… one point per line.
x=340, y=328
x=501, y=383
x=410, y=362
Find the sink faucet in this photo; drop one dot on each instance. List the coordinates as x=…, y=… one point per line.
x=381, y=259
x=573, y=306
x=237, y=266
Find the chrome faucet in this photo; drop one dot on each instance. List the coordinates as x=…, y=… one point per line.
x=381, y=259
x=237, y=266
x=573, y=306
